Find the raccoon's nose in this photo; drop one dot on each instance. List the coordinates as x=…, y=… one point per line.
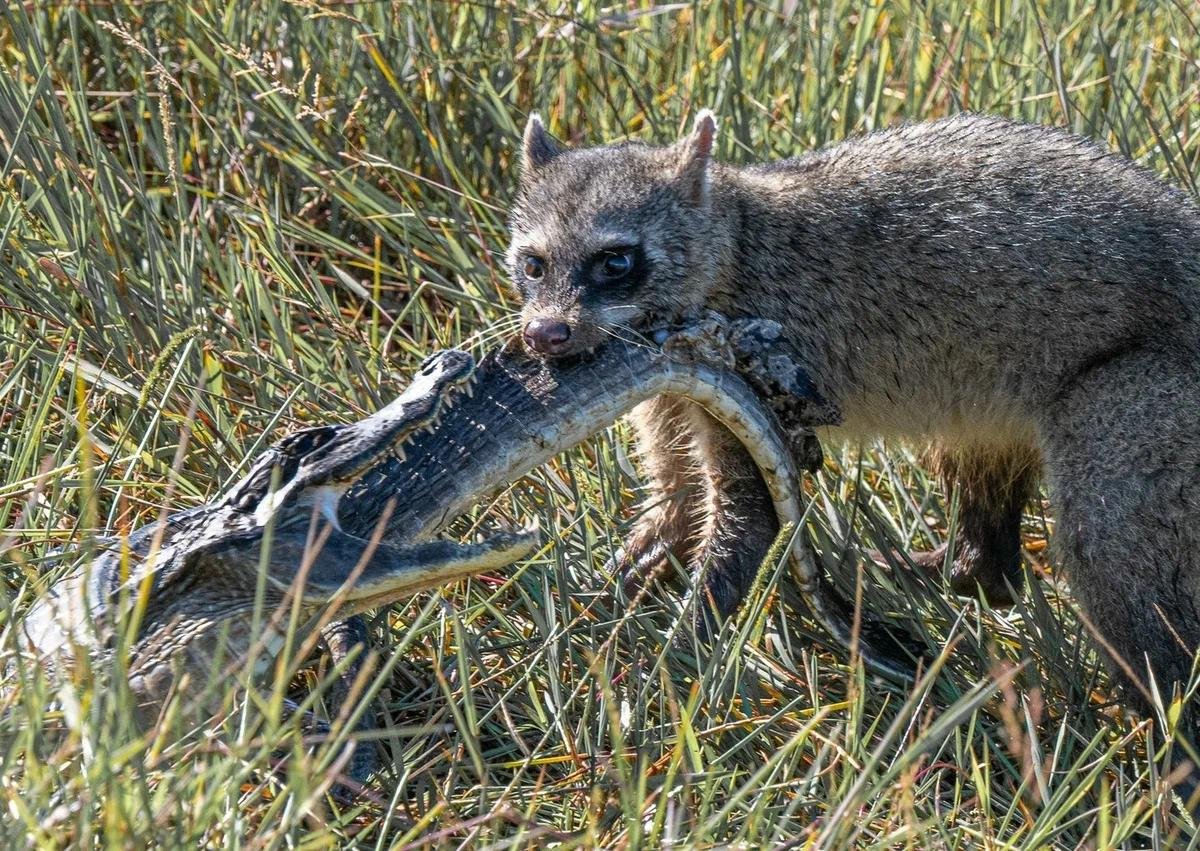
x=547, y=336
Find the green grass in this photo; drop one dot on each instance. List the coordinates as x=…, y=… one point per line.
x=220, y=222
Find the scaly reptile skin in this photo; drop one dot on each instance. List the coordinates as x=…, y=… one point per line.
x=523, y=411
x=199, y=569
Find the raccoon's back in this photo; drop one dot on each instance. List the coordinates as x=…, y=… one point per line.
x=985, y=184
x=970, y=254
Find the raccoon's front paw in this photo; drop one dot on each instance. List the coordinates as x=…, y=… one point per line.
x=726, y=563
x=660, y=535
x=763, y=356
x=704, y=338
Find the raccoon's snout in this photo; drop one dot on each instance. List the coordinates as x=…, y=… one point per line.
x=547, y=336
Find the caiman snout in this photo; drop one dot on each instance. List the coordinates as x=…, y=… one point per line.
x=547, y=336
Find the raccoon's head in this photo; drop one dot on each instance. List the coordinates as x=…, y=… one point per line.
x=605, y=237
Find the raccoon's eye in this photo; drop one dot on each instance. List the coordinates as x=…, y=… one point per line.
x=615, y=264
x=534, y=267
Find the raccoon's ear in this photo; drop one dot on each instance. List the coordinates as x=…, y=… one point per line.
x=695, y=153
x=539, y=147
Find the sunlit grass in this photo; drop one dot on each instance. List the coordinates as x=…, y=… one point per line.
x=220, y=222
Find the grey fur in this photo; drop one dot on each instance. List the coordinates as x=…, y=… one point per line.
x=1008, y=293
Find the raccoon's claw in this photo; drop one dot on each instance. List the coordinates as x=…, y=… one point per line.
x=972, y=572
x=645, y=555
x=636, y=570
x=661, y=535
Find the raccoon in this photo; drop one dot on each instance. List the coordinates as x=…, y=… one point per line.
x=1014, y=297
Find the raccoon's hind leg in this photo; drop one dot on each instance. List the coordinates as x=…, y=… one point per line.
x=994, y=485
x=1122, y=449
x=668, y=522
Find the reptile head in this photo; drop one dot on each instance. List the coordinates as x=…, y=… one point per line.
x=350, y=570
x=316, y=465
x=203, y=565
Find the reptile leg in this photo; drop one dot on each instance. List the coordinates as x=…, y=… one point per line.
x=341, y=639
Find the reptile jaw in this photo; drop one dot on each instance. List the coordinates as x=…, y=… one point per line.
x=395, y=446
x=441, y=562
x=444, y=401
x=418, y=409
x=391, y=572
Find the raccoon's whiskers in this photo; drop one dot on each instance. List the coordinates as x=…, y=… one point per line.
x=626, y=334
x=495, y=332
